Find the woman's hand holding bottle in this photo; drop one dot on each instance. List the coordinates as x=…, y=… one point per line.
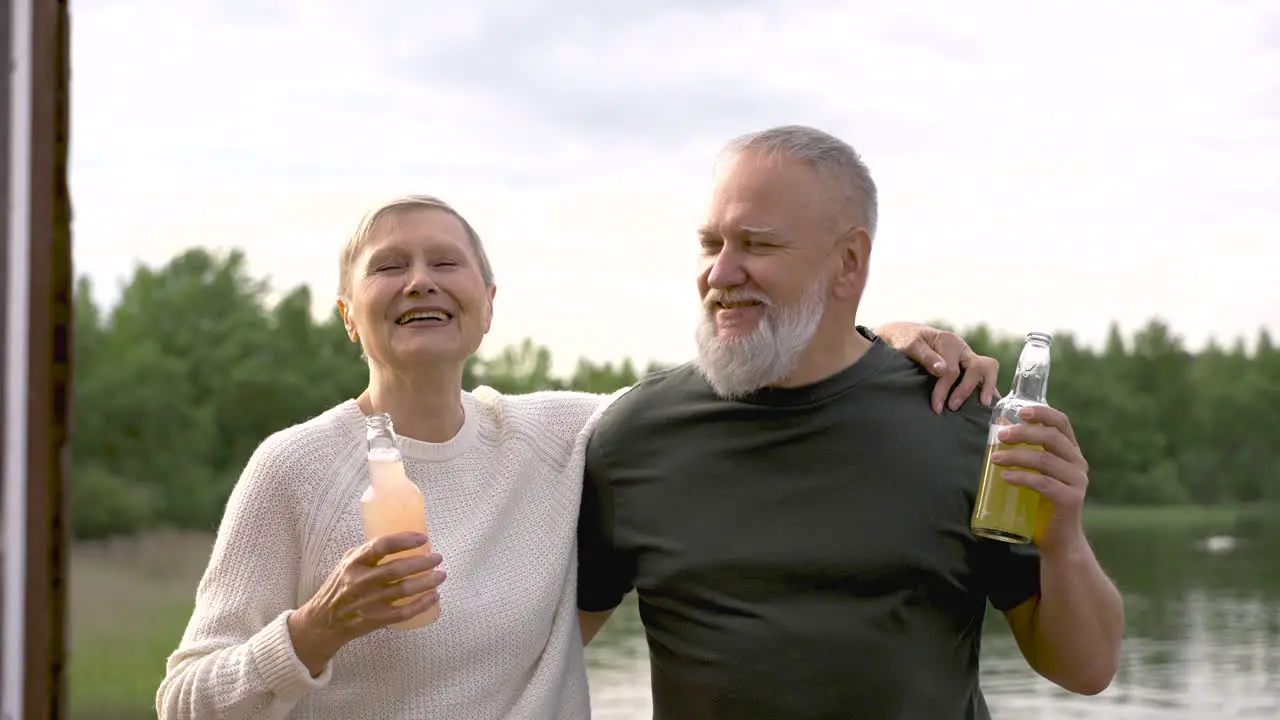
x=357, y=597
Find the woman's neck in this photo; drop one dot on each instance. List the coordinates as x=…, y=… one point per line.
x=426, y=406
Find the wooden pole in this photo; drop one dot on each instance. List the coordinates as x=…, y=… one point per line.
x=37, y=359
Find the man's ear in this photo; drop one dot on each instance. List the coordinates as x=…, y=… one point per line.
x=855, y=258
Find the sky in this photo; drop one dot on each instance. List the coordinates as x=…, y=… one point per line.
x=1041, y=166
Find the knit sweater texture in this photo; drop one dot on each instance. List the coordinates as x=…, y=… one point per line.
x=502, y=504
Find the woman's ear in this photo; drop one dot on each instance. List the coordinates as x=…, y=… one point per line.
x=345, y=311
x=488, y=319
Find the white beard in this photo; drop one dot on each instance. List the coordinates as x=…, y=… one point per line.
x=738, y=366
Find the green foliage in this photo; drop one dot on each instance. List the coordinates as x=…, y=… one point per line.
x=181, y=380
x=176, y=385
x=1159, y=424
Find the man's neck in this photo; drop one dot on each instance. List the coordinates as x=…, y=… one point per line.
x=424, y=406
x=827, y=354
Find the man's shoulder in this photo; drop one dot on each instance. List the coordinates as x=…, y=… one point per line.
x=895, y=405
x=674, y=383
x=902, y=374
x=660, y=389
x=900, y=377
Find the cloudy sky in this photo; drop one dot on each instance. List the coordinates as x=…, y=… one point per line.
x=1041, y=165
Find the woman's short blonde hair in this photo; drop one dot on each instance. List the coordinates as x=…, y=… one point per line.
x=364, y=233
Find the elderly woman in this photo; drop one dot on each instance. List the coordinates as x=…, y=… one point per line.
x=291, y=615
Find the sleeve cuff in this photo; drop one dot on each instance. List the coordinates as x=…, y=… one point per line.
x=599, y=602
x=281, y=670
x=1019, y=577
x=597, y=607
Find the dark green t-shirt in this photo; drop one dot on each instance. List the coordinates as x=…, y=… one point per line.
x=802, y=553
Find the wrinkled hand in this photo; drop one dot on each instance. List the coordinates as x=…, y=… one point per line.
x=946, y=355
x=1059, y=473
x=361, y=596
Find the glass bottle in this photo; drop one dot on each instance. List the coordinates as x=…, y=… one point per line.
x=1006, y=512
x=392, y=503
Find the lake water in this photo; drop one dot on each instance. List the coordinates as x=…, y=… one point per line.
x=1203, y=638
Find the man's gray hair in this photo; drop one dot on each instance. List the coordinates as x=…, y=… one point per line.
x=833, y=159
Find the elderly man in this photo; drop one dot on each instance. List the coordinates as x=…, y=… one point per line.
x=792, y=516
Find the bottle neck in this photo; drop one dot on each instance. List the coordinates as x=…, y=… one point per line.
x=380, y=438
x=1033, y=386
x=1031, y=378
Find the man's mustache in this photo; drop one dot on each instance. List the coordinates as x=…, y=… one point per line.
x=715, y=297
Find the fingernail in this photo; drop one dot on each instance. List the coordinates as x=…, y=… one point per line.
x=1004, y=435
x=938, y=367
x=1008, y=474
x=1026, y=412
x=955, y=403
x=998, y=458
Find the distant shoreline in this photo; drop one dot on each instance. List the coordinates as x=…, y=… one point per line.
x=1185, y=517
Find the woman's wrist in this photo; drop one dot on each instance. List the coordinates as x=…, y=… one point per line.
x=313, y=648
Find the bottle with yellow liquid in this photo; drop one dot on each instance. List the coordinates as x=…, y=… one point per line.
x=392, y=503
x=1010, y=512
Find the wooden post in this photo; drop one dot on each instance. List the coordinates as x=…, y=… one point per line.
x=37, y=290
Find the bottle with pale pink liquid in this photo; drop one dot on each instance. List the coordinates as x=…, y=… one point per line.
x=392, y=503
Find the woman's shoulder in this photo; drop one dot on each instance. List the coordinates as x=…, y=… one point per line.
x=311, y=447
x=548, y=412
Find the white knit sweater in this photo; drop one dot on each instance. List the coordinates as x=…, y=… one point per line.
x=502, y=504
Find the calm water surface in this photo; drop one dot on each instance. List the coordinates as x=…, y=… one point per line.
x=1203, y=638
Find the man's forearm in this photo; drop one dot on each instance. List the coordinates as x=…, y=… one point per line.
x=1079, y=622
x=589, y=623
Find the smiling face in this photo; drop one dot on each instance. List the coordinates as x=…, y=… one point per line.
x=774, y=262
x=764, y=242
x=416, y=292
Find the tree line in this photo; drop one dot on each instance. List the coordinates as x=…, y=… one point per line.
x=177, y=383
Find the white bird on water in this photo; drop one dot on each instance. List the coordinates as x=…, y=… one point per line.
x=1218, y=543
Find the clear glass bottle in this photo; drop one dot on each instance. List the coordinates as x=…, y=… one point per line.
x=392, y=503
x=1006, y=512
